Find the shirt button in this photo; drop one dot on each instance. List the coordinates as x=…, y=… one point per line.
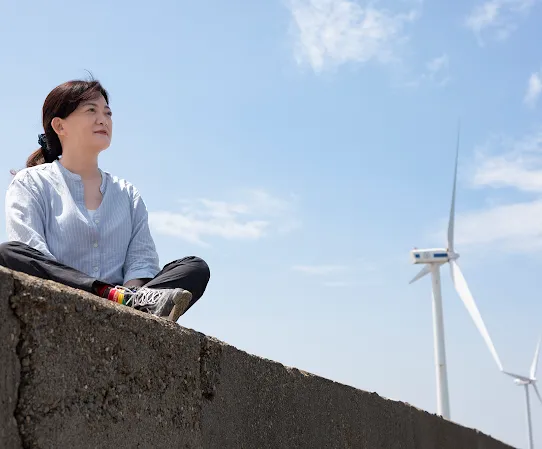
x=95, y=268
x=95, y=245
x=96, y=221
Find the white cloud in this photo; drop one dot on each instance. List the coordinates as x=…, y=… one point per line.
x=510, y=227
x=534, y=89
x=333, y=32
x=319, y=270
x=513, y=226
x=353, y=274
x=253, y=218
x=502, y=162
x=497, y=17
x=500, y=171
x=438, y=70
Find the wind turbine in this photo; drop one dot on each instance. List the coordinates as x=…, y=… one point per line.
x=525, y=382
x=433, y=259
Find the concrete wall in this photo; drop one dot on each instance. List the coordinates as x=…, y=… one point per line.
x=79, y=372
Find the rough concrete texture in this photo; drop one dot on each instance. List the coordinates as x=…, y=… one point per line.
x=10, y=368
x=80, y=372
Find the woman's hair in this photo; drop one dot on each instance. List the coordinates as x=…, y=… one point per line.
x=61, y=102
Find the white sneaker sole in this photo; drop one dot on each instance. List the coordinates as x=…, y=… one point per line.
x=182, y=301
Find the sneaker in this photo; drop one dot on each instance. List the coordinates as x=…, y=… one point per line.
x=168, y=302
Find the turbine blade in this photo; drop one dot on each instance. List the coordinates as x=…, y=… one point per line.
x=425, y=270
x=532, y=373
x=537, y=392
x=464, y=293
x=451, y=221
x=517, y=376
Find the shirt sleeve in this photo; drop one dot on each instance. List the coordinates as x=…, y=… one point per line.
x=141, y=258
x=25, y=215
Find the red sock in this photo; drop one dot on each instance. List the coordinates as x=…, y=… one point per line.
x=103, y=291
x=112, y=293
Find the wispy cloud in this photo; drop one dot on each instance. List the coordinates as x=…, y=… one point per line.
x=512, y=226
x=497, y=18
x=534, y=89
x=504, y=162
x=435, y=71
x=356, y=273
x=438, y=70
x=333, y=32
x=255, y=216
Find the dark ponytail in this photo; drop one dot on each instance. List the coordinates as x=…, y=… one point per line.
x=49, y=151
x=61, y=102
x=36, y=158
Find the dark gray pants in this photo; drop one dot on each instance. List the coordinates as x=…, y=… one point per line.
x=190, y=273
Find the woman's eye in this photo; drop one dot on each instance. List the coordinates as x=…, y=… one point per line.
x=110, y=114
x=91, y=109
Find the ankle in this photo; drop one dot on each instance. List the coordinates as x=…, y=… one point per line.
x=111, y=293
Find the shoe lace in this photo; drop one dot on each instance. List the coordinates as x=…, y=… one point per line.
x=140, y=296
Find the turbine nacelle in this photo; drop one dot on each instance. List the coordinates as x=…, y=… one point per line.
x=521, y=380
x=432, y=255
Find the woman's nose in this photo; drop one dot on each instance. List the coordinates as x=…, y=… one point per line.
x=102, y=119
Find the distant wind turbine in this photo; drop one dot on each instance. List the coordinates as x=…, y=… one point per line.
x=433, y=259
x=523, y=381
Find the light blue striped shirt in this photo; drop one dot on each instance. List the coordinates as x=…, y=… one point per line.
x=45, y=208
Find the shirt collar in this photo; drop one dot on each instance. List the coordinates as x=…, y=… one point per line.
x=75, y=177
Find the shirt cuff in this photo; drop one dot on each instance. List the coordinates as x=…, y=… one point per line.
x=139, y=274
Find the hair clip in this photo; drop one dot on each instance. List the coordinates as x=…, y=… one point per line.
x=42, y=141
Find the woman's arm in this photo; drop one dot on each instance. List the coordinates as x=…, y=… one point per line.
x=141, y=261
x=25, y=215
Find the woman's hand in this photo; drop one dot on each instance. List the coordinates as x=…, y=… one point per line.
x=136, y=282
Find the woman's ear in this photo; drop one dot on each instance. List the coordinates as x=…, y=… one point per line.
x=58, y=125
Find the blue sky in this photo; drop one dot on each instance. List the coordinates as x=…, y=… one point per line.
x=303, y=147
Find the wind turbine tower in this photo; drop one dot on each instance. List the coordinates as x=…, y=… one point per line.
x=433, y=259
x=525, y=381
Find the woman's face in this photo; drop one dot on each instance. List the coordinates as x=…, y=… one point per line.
x=90, y=126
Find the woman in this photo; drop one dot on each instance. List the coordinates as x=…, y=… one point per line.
x=70, y=222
